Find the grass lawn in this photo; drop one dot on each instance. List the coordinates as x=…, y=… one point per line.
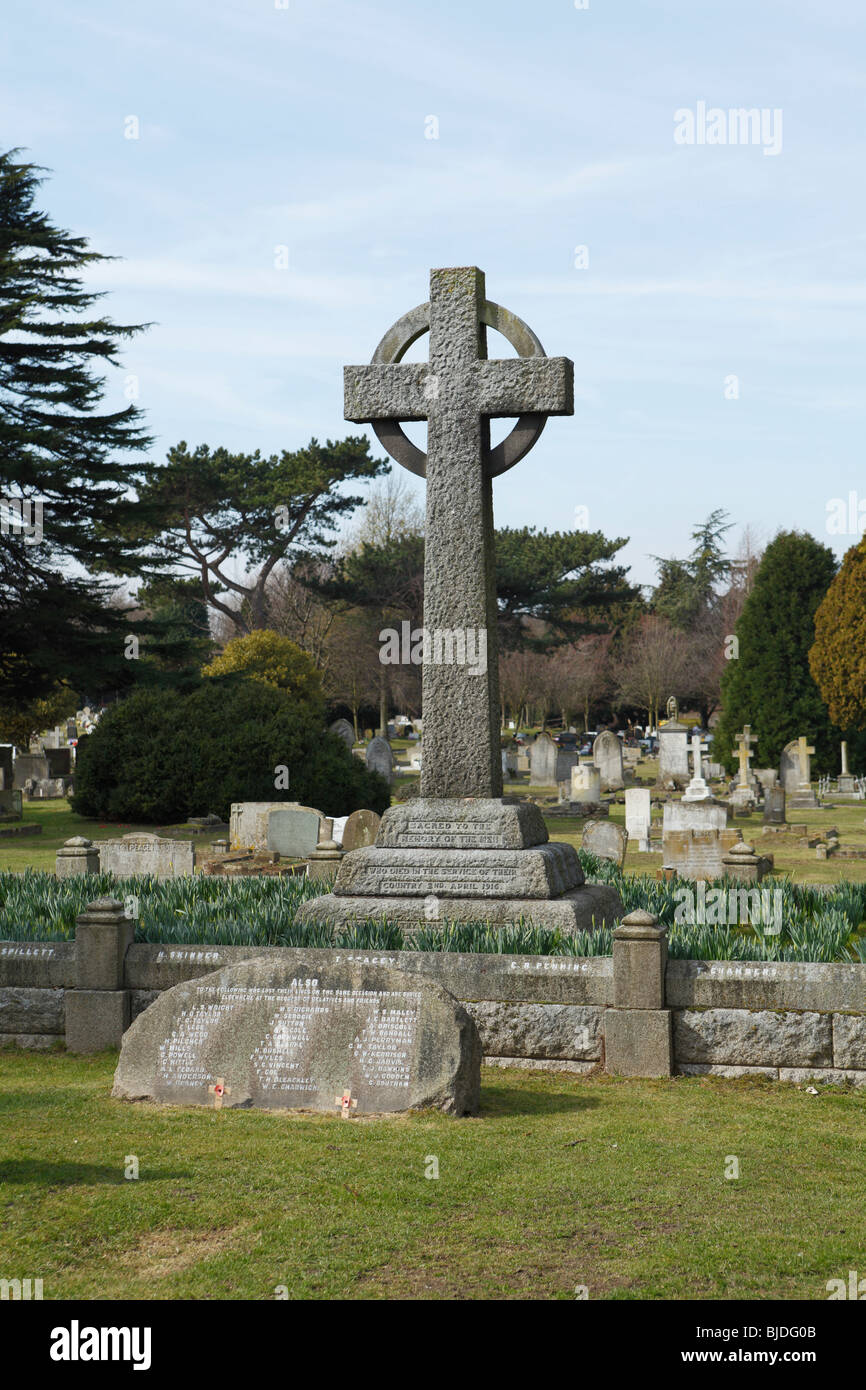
x=563, y=1181
x=60, y=824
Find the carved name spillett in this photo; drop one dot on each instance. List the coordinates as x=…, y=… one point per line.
x=376, y=1031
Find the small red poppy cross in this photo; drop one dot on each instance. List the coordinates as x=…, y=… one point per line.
x=346, y=1103
x=218, y=1090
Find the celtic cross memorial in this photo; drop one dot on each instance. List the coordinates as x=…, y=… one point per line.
x=461, y=851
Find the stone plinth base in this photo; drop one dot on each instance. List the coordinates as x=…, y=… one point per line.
x=464, y=859
x=573, y=911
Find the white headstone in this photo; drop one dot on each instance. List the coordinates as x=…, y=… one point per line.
x=638, y=815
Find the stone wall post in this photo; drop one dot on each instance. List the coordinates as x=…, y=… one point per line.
x=98, y=1009
x=637, y=1028
x=77, y=856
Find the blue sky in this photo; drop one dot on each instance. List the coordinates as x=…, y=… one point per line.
x=305, y=127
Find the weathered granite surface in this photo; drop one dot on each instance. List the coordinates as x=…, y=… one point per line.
x=747, y=984
x=298, y=1035
x=462, y=823
x=24, y=1010
x=546, y=871
x=757, y=1038
x=538, y=1030
x=579, y=909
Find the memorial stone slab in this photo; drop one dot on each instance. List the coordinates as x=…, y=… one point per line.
x=674, y=753
x=774, y=806
x=249, y=822
x=343, y=729
x=542, y=761
x=789, y=767
x=146, y=854
x=293, y=831
x=360, y=830
x=379, y=758
x=295, y=1035
x=607, y=756
x=29, y=767
x=606, y=840
x=586, y=784
x=638, y=815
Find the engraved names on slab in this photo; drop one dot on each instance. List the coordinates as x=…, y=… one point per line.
x=281, y=1033
x=379, y=1029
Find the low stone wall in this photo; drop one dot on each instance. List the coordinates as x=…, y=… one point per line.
x=636, y=1013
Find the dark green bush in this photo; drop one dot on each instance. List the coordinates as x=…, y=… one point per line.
x=160, y=757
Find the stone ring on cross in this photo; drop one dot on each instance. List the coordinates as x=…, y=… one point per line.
x=457, y=317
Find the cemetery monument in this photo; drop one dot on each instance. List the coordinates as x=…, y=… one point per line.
x=461, y=850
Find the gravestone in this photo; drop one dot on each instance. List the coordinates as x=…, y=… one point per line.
x=673, y=754
x=71, y=731
x=460, y=850
x=509, y=762
x=845, y=782
x=767, y=777
x=542, y=761
x=294, y=831
x=146, y=854
x=801, y=794
x=59, y=762
x=774, y=806
x=30, y=767
x=343, y=729
x=607, y=756
x=605, y=839
x=379, y=758
x=11, y=804
x=6, y=774
x=360, y=830
x=586, y=784
x=322, y=1033
x=249, y=824
x=638, y=816
x=789, y=767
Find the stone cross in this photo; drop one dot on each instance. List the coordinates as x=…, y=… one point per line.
x=219, y=1090
x=744, y=752
x=697, y=749
x=346, y=1103
x=803, y=752
x=697, y=790
x=458, y=391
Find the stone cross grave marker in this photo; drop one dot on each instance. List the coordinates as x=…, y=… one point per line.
x=458, y=392
x=460, y=842
x=697, y=790
x=744, y=752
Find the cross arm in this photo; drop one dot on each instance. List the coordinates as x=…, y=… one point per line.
x=395, y=391
x=526, y=386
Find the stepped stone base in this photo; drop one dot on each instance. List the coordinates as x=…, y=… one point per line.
x=573, y=911
x=464, y=860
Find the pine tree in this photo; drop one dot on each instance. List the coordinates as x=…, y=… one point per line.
x=768, y=683
x=65, y=474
